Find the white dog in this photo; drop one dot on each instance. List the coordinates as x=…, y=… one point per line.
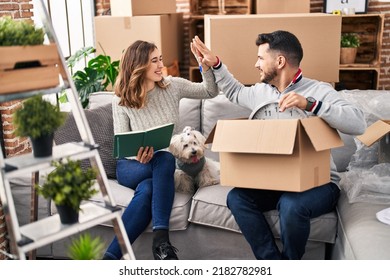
x=193, y=169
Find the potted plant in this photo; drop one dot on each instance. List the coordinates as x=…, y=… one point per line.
x=38, y=119
x=86, y=248
x=24, y=55
x=99, y=74
x=349, y=43
x=68, y=185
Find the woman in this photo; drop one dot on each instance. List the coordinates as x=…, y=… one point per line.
x=144, y=99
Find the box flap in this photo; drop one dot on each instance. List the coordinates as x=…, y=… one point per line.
x=321, y=135
x=255, y=136
x=210, y=137
x=374, y=132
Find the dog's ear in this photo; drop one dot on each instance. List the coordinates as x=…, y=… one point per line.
x=199, y=136
x=175, y=144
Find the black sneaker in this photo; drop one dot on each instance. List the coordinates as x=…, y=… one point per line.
x=165, y=251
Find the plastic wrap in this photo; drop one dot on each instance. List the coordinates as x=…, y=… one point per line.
x=367, y=180
x=368, y=185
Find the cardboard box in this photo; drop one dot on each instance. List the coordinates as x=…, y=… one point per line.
x=282, y=6
x=378, y=131
x=116, y=33
x=142, y=7
x=318, y=33
x=287, y=155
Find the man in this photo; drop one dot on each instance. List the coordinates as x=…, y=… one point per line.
x=279, y=57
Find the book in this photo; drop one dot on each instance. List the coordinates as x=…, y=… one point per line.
x=127, y=144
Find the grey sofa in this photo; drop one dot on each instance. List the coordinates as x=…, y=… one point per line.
x=201, y=225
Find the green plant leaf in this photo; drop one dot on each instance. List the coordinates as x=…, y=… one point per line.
x=37, y=117
x=88, y=82
x=63, y=98
x=68, y=184
x=349, y=40
x=19, y=32
x=86, y=248
x=99, y=73
x=102, y=63
x=79, y=55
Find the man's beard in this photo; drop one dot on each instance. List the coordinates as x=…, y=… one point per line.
x=268, y=77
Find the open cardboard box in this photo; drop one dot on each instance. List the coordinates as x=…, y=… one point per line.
x=378, y=131
x=286, y=155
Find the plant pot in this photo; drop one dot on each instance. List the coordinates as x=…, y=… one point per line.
x=36, y=66
x=67, y=214
x=42, y=146
x=348, y=55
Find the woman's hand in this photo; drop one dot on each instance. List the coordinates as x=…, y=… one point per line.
x=202, y=53
x=145, y=154
x=199, y=58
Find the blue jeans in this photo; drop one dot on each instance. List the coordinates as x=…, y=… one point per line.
x=295, y=211
x=153, y=197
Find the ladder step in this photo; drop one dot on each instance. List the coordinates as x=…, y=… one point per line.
x=50, y=229
x=28, y=163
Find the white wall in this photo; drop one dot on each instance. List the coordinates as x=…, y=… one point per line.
x=72, y=21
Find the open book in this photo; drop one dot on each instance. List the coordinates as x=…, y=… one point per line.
x=127, y=144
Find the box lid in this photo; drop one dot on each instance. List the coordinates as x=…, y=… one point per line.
x=321, y=135
x=272, y=136
x=375, y=132
x=255, y=136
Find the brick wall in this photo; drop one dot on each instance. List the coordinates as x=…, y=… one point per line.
x=16, y=8
x=380, y=7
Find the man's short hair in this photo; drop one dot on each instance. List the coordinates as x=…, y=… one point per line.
x=284, y=42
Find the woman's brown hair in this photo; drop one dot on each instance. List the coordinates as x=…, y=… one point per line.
x=130, y=84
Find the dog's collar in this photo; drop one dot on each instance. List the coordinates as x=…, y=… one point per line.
x=191, y=169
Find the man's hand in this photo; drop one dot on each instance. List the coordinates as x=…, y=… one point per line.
x=292, y=99
x=203, y=54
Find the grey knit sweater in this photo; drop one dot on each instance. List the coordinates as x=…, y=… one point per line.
x=162, y=104
x=336, y=111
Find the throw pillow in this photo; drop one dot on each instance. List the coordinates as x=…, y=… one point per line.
x=101, y=124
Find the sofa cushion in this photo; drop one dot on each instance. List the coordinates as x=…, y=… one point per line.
x=101, y=124
x=100, y=98
x=209, y=208
x=180, y=209
x=219, y=108
x=189, y=113
x=360, y=234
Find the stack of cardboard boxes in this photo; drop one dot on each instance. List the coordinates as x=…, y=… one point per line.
x=151, y=20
